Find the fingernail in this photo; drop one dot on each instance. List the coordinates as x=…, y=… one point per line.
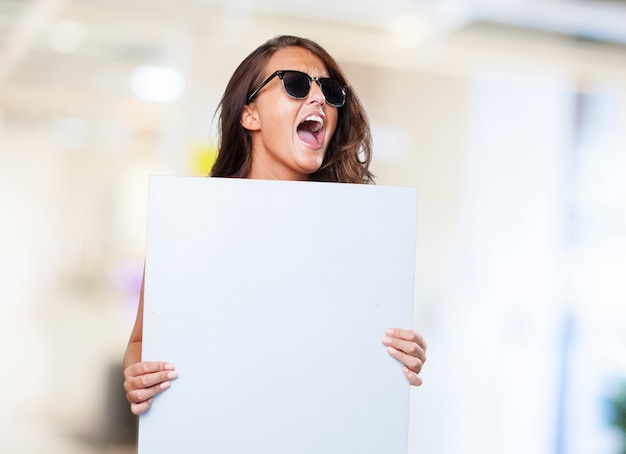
x=386, y=340
x=169, y=367
x=392, y=350
x=172, y=375
x=389, y=332
x=165, y=385
x=405, y=369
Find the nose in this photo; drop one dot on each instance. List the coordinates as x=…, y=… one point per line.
x=315, y=92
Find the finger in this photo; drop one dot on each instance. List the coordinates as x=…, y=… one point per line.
x=412, y=377
x=132, y=383
x=139, y=395
x=408, y=347
x=407, y=334
x=148, y=373
x=413, y=363
x=142, y=407
x=147, y=367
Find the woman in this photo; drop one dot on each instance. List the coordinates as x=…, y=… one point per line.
x=287, y=113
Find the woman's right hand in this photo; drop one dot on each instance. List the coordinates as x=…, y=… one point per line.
x=144, y=380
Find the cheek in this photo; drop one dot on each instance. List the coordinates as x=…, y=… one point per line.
x=277, y=127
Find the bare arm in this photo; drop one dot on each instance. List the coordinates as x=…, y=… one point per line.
x=143, y=379
x=133, y=350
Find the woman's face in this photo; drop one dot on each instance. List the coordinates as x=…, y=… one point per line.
x=289, y=136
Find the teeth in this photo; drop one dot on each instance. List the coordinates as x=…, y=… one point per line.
x=318, y=120
x=314, y=118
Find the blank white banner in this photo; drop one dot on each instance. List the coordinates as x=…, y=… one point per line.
x=271, y=297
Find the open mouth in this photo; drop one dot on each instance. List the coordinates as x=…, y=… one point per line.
x=311, y=130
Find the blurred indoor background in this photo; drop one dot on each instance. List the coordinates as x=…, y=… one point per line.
x=508, y=115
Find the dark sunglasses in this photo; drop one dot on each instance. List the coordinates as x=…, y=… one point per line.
x=298, y=84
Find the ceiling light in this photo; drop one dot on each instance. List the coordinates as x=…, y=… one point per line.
x=157, y=84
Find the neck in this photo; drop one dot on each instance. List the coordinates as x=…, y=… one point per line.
x=261, y=170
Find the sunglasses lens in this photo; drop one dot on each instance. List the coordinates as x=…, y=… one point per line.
x=296, y=84
x=333, y=92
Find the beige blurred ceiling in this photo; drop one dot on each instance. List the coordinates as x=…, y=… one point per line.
x=56, y=56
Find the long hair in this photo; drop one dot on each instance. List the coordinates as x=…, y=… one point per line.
x=348, y=155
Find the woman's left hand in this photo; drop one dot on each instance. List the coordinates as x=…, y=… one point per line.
x=408, y=347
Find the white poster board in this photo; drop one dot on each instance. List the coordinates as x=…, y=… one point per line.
x=271, y=298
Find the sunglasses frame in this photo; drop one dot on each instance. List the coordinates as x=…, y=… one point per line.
x=281, y=74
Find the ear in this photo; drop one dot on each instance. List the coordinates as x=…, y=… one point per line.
x=250, y=118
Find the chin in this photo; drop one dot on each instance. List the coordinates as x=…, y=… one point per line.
x=311, y=167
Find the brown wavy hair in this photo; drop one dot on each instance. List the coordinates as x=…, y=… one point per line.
x=349, y=152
